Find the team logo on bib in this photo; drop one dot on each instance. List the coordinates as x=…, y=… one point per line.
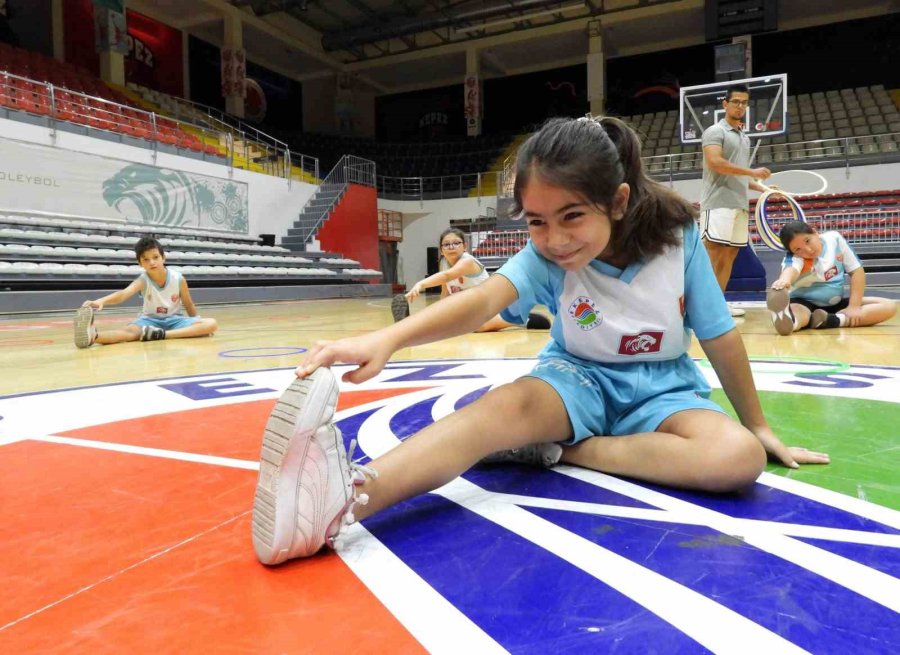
x=640, y=344
x=585, y=313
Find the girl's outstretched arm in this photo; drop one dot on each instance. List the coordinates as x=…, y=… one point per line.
x=729, y=359
x=788, y=276
x=465, y=266
x=461, y=313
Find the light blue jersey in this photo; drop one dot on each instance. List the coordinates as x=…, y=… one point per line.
x=618, y=356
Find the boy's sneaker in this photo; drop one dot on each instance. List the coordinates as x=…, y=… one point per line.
x=778, y=302
x=150, y=333
x=305, y=490
x=399, y=307
x=822, y=320
x=85, y=332
x=538, y=454
x=537, y=322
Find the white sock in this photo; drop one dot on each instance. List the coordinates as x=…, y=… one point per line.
x=843, y=318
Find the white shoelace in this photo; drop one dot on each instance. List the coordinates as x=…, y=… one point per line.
x=358, y=474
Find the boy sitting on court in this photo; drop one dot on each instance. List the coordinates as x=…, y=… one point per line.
x=166, y=301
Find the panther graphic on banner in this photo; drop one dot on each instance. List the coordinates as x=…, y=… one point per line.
x=174, y=198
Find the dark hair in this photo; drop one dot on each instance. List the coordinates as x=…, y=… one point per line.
x=449, y=230
x=147, y=243
x=792, y=229
x=736, y=88
x=592, y=157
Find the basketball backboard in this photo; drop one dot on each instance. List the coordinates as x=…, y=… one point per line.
x=701, y=106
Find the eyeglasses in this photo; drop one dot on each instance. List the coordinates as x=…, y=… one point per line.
x=740, y=103
x=452, y=245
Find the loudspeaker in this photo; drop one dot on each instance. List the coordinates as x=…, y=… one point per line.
x=267, y=239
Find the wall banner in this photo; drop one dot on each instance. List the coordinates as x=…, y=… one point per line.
x=41, y=178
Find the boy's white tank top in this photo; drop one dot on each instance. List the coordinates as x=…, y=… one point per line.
x=617, y=321
x=160, y=302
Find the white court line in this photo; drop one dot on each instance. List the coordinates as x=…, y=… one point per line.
x=870, y=583
x=427, y=615
x=131, y=567
x=674, y=516
x=662, y=515
x=834, y=499
x=152, y=452
x=714, y=626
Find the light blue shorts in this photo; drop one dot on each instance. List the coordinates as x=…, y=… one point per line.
x=622, y=399
x=166, y=323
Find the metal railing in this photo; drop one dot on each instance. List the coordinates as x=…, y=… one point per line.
x=349, y=170
x=191, y=130
x=856, y=226
x=439, y=187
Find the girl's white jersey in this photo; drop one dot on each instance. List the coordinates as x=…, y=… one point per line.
x=821, y=279
x=165, y=300
x=644, y=312
x=466, y=281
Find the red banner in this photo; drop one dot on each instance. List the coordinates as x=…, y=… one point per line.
x=154, y=56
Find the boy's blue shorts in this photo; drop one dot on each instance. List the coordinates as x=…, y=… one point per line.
x=166, y=323
x=622, y=399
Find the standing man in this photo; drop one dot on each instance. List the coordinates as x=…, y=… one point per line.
x=724, y=207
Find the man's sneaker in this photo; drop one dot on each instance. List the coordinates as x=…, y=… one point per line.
x=537, y=322
x=538, y=454
x=85, y=332
x=150, y=333
x=778, y=302
x=735, y=311
x=822, y=320
x=399, y=307
x=305, y=489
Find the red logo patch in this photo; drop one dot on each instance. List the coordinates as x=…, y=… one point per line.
x=830, y=273
x=640, y=344
x=162, y=310
x=174, y=297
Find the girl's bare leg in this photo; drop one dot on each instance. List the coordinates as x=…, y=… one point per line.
x=876, y=310
x=801, y=315
x=495, y=324
x=524, y=412
x=694, y=449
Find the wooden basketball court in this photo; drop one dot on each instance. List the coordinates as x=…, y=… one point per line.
x=127, y=476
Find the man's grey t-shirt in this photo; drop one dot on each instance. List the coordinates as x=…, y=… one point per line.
x=726, y=191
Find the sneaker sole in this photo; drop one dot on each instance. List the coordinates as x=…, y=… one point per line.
x=778, y=302
x=302, y=409
x=399, y=307
x=818, y=317
x=84, y=318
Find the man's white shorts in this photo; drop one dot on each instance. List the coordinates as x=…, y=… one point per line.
x=726, y=226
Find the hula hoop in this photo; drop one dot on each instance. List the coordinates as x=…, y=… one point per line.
x=761, y=214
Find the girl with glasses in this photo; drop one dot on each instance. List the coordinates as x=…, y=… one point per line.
x=459, y=271
x=617, y=258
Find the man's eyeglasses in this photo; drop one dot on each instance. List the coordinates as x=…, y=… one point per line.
x=452, y=245
x=739, y=103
